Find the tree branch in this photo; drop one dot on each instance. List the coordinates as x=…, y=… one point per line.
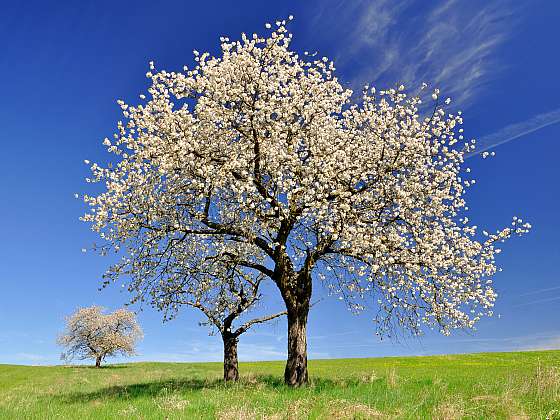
x=249, y=324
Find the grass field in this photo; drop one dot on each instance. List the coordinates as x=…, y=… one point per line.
x=484, y=386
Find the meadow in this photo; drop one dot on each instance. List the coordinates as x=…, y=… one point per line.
x=480, y=386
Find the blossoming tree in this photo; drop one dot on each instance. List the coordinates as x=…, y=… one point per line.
x=212, y=281
x=91, y=334
x=231, y=297
x=262, y=154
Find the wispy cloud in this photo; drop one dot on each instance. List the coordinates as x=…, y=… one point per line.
x=534, y=302
x=450, y=45
x=538, y=291
x=212, y=351
x=538, y=341
x=542, y=341
x=23, y=357
x=514, y=131
x=340, y=334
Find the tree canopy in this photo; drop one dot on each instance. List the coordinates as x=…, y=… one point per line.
x=91, y=334
x=263, y=157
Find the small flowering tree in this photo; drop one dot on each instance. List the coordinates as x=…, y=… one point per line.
x=213, y=282
x=223, y=305
x=91, y=334
x=262, y=155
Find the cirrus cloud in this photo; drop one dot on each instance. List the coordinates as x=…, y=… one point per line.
x=448, y=44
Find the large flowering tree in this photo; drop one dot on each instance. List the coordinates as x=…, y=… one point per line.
x=263, y=156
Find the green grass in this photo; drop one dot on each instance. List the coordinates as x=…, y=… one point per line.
x=483, y=386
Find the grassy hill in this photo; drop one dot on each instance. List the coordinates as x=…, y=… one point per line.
x=485, y=386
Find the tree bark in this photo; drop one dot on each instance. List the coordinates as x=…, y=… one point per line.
x=231, y=365
x=98, y=362
x=295, y=289
x=296, y=373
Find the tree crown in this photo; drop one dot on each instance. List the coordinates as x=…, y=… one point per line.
x=92, y=334
x=262, y=157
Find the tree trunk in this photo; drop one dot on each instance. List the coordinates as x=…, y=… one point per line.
x=98, y=362
x=295, y=373
x=231, y=366
x=295, y=289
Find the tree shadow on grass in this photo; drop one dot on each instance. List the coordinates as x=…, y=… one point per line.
x=92, y=367
x=159, y=388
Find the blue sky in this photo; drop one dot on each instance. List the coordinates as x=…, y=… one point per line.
x=64, y=64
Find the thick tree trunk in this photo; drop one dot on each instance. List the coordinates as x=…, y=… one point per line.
x=98, y=362
x=295, y=289
x=231, y=366
x=295, y=373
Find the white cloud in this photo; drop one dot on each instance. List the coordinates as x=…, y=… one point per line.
x=534, y=302
x=514, y=131
x=212, y=351
x=451, y=46
x=30, y=357
x=255, y=352
x=539, y=291
x=543, y=341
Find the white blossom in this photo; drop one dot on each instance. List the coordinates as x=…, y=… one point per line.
x=263, y=158
x=91, y=334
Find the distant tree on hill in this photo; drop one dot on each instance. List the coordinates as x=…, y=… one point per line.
x=261, y=154
x=91, y=334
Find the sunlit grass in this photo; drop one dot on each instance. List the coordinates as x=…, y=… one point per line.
x=492, y=385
